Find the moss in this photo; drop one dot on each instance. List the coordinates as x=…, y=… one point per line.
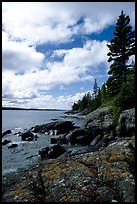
x=101, y=179
x=124, y=174
x=19, y=189
x=66, y=198
x=114, y=157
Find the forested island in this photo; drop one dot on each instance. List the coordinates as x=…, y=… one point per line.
x=34, y=109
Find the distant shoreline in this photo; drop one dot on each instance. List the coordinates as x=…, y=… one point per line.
x=34, y=109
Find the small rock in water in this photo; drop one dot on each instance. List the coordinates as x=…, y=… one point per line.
x=6, y=132
x=12, y=145
x=5, y=142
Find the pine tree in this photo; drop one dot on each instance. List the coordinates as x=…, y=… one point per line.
x=103, y=93
x=121, y=47
x=95, y=89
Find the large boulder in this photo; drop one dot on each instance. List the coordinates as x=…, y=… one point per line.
x=126, y=123
x=27, y=136
x=64, y=127
x=51, y=151
x=57, y=127
x=100, y=122
x=79, y=136
x=61, y=139
x=43, y=128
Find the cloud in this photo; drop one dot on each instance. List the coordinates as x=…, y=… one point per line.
x=26, y=72
x=57, y=22
x=78, y=64
x=47, y=101
x=18, y=56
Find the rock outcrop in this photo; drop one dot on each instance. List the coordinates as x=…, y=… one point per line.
x=57, y=127
x=98, y=164
x=51, y=152
x=100, y=121
x=106, y=175
x=126, y=123
x=79, y=136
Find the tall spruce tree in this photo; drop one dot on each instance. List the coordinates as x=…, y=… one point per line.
x=103, y=94
x=121, y=47
x=95, y=89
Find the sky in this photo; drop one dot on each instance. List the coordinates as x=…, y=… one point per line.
x=52, y=52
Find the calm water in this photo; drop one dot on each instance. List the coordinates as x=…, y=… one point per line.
x=26, y=153
x=26, y=118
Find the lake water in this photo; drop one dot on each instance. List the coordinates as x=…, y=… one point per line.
x=26, y=153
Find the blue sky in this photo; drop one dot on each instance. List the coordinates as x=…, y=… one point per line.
x=52, y=52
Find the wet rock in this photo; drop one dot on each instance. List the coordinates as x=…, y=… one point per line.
x=101, y=176
x=5, y=142
x=27, y=136
x=59, y=139
x=64, y=127
x=12, y=145
x=57, y=127
x=52, y=151
x=54, y=140
x=17, y=133
x=84, y=140
x=6, y=132
x=43, y=128
x=104, y=142
x=79, y=136
x=96, y=140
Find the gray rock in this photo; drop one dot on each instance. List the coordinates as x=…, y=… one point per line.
x=79, y=136
x=126, y=126
x=99, y=122
x=57, y=127
x=6, y=132
x=59, y=140
x=127, y=195
x=43, y=128
x=51, y=151
x=103, y=142
x=27, y=136
x=64, y=127
x=5, y=142
x=12, y=145
x=96, y=140
x=100, y=176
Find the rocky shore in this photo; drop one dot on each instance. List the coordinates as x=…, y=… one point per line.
x=92, y=163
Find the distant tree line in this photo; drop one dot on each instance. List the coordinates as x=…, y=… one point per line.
x=119, y=90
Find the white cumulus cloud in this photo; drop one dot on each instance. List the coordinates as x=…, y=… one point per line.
x=18, y=56
x=41, y=22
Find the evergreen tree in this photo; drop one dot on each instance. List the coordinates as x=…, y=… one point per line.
x=95, y=89
x=75, y=107
x=121, y=47
x=103, y=94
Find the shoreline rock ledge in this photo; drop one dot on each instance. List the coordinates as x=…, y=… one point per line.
x=104, y=175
